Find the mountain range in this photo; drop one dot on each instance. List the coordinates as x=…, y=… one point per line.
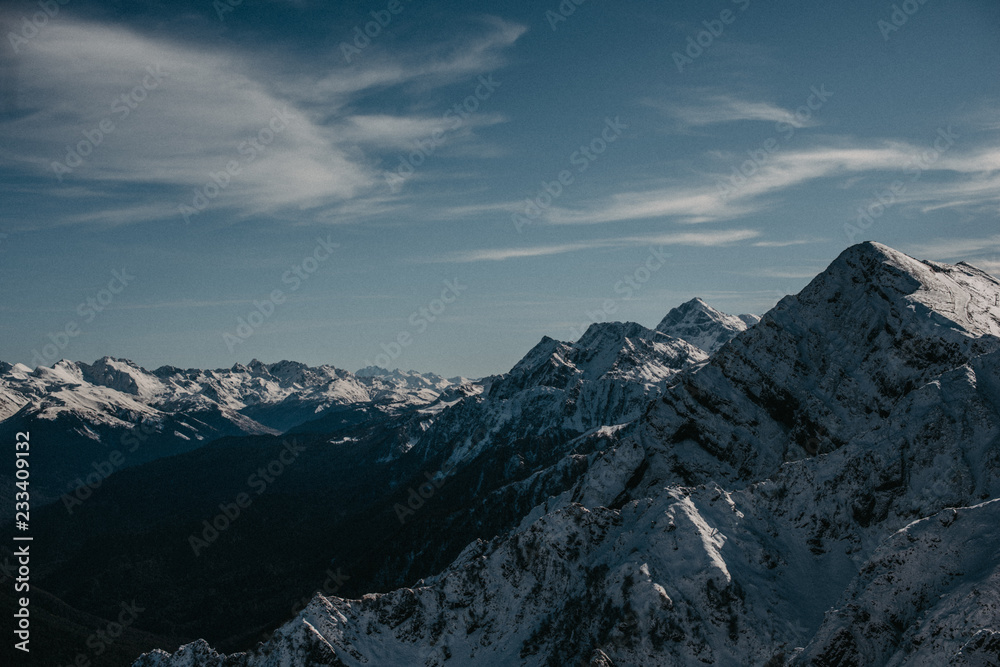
x=817, y=486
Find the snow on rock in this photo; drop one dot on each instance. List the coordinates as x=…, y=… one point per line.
x=822, y=490
x=256, y=398
x=48, y=393
x=703, y=326
x=124, y=376
x=930, y=594
x=607, y=377
x=827, y=365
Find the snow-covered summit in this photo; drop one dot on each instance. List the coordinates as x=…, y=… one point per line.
x=124, y=376
x=958, y=296
x=703, y=326
x=605, y=347
x=244, y=399
x=827, y=479
x=828, y=364
x=409, y=378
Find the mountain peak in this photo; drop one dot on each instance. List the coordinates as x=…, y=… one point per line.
x=957, y=296
x=122, y=375
x=874, y=247
x=703, y=326
x=599, y=333
x=372, y=371
x=696, y=303
x=828, y=364
x=607, y=351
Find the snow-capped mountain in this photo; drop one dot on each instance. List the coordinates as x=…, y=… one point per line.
x=278, y=396
x=822, y=490
x=703, y=326
x=353, y=486
x=85, y=426
x=519, y=441
x=51, y=392
x=826, y=366
x=91, y=410
x=605, y=378
x=243, y=389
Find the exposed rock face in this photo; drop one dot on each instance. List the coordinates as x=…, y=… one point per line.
x=703, y=326
x=823, y=491
x=89, y=411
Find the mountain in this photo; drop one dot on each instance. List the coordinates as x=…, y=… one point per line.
x=826, y=366
x=89, y=431
x=605, y=378
x=113, y=414
x=390, y=491
x=278, y=396
x=821, y=490
x=703, y=326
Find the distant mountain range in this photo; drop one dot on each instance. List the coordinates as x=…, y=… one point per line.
x=818, y=486
x=93, y=410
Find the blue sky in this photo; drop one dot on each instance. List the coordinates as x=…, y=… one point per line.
x=269, y=181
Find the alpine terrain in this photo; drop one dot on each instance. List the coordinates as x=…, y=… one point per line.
x=817, y=486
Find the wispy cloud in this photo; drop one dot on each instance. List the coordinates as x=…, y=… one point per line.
x=700, y=203
x=399, y=132
x=786, y=243
x=790, y=274
x=206, y=107
x=960, y=179
x=716, y=108
x=428, y=68
x=698, y=239
x=957, y=249
x=975, y=191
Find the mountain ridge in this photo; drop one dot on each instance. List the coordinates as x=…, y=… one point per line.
x=768, y=484
x=494, y=449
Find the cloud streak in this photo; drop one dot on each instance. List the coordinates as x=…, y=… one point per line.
x=205, y=112
x=963, y=179
x=695, y=239
x=714, y=109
